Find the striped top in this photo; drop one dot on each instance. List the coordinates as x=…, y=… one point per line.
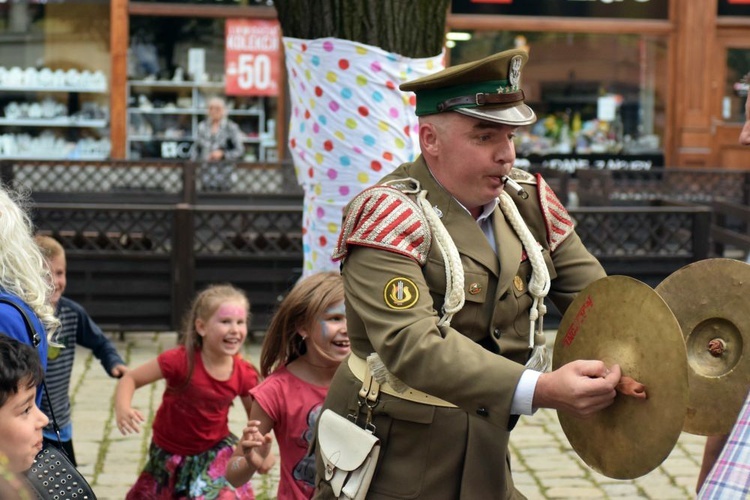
x=77, y=329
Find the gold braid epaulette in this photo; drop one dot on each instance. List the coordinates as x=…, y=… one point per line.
x=383, y=217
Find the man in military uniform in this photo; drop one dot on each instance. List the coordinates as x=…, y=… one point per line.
x=445, y=272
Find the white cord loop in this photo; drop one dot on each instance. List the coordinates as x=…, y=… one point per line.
x=454, y=270
x=539, y=284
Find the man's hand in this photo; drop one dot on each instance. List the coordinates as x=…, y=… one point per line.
x=580, y=388
x=216, y=155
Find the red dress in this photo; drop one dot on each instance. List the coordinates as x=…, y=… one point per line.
x=191, y=442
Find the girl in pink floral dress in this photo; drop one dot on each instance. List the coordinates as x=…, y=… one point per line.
x=191, y=442
x=305, y=343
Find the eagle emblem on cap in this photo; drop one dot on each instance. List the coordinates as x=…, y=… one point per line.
x=514, y=71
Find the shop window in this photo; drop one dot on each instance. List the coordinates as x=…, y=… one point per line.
x=592, y=93
x=54, y=79
x=175, y=65
x=736, y=85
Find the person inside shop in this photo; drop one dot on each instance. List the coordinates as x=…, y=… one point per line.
x=218, y=144
x=725, y=469
x=446, y=264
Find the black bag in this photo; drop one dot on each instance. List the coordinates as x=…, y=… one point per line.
x=53, y=475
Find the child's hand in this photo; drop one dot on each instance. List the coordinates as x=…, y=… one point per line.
x=128, y=420
x=255, y=446
x=119, y=370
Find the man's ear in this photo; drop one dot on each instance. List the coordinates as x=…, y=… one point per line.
x=429, y=141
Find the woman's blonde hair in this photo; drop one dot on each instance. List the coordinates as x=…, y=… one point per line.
x=22, y=269
x=203, y=307
x=307, y=301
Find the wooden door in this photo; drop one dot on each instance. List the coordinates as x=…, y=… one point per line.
x=728, y=107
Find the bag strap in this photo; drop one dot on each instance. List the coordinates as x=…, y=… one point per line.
x=35, y=341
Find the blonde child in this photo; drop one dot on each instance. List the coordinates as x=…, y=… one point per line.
x=191, y=442
x=76, y=328
x=304, y=345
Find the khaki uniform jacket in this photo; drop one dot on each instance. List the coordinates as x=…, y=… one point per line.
x=450, y=453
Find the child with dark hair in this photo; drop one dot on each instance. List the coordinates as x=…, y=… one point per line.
x=21, y=420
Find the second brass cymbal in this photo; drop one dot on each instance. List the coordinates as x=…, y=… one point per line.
x=711, y=300
x=620, y=320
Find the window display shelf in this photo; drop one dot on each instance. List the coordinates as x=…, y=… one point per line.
x=47, y=88
x=54, y=121
x=63, y=121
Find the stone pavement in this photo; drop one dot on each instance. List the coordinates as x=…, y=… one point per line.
x=544, y=465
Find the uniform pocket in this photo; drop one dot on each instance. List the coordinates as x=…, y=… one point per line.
x=404, y=431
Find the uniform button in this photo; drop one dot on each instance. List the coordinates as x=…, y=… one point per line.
x=496, y=333
x=482, y=412
x=504, y=296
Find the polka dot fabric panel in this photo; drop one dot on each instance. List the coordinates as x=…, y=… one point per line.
x=350, y=125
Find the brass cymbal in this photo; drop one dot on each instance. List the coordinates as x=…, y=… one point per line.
x=711, y=300
x=620, y=320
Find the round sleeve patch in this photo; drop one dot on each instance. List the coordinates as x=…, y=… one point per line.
x=400, y=293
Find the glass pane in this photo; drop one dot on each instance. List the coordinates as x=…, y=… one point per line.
x=592, y=93
x=54, y=79
x=735, y=89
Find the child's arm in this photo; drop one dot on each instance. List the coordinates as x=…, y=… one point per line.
x=249, y=457
x=89, y=335
x=128, y=418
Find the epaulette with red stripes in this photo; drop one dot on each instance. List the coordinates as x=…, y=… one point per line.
x=385, y=218
x=556, y=217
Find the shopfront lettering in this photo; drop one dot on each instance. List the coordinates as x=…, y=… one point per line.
x=572, y=163
x=253, y=41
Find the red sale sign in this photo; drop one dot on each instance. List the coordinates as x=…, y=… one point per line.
x=252, y=57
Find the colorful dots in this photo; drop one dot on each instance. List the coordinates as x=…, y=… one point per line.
x=316, y=128
x=328, y=145
x=293, y=143
x=320, y=212
x=361, y=50
x=346, y=93
x=351, y=123
x=339, y=135
x=308, y=75
x=362, y=110
x=361, y=80
x=333, y=228
x=376, y=67
x=318, y=91
x=310, y=172
x=318, y=190
x=307, y=115
x=377, y=96
x=332, y=77
x=345, y=161
x=400, y=143
x=390, y=85
x=319, y=158
x=363, y=178
x=383, y=126
x=369, y=140
x=315, y=61
x=304, y=47
x=332, y=174
x=309, y=143
x=376, y=166
x=298, y=59
x=328, y=46
x=323, y=119
x=333, y=106
x=323, y=241
x=344, y=190
x=412, y=100
x=393, y=113
x=343, y=64
x=388, y=156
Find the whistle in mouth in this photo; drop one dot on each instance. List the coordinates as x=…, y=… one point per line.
x=514, y=185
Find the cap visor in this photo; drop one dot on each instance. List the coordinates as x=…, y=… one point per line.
x=516, y=116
